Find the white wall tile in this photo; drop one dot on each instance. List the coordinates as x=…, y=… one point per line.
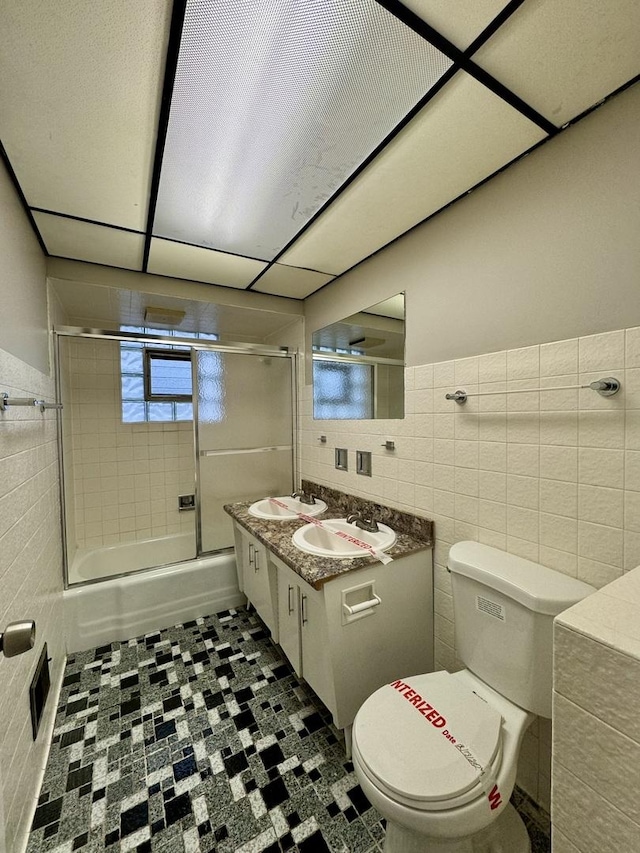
x=602, y=352
x=559, y=463
x=602, y=429
x=601, y=505
x=602, y=467
x=559, y=498
x=523, y=363
x=553, y=476
x=523, y=491
x=608, y=830
x=559, y=358
x=595, y=752
x=632, y=347
x=493, y=367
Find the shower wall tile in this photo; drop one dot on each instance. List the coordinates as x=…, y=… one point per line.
x=31, y=583
x=553, y=476
x=126, y=477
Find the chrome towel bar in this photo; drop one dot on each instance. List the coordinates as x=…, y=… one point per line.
x=606, y=387
x=6, y=402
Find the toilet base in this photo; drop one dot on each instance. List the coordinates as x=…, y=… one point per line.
x=507, y=834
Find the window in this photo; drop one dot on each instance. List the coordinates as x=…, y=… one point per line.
x=156, y=379
x=342, y=389
x=167, y=376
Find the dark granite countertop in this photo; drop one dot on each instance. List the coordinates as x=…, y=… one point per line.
x=413, y=534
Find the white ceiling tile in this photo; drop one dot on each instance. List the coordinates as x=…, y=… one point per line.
x=85, y=241
x=564, y=56
x=461, y=137
x=198, y=264
x=281, y=280
x=79, y=100
x=458, y=20
x=275, y=103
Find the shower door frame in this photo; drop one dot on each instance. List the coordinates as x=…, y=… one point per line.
x=62, y=331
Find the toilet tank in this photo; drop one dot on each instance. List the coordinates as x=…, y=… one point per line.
x=504, y=608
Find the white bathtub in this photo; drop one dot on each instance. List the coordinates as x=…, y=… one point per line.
x=91, y=564
x=120, y=608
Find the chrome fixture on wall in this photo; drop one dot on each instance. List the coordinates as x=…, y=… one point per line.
x=6, y=401
x=606, y=387
x=18, y=637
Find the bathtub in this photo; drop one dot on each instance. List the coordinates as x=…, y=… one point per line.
x=119, y=608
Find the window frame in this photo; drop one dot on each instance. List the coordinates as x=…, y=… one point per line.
x=149, y=353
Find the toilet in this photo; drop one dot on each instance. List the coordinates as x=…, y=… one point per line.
x=437, y=754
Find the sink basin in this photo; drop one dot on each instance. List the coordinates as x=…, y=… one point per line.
x=323, y=541
x=268, y=509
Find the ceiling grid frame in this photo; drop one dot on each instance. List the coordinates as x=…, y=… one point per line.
x=461, y=60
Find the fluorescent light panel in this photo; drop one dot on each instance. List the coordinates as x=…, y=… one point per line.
x=275, y=104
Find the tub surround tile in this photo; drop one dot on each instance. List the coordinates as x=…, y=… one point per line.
x=413, y=533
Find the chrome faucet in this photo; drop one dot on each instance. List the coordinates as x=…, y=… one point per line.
x=304, y=497
x=368, y=524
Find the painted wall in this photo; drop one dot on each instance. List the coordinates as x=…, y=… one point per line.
x=547, y=250
x=30, y=547
x=507, y=290
x=23, y=307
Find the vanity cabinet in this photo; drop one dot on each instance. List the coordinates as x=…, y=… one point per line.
x=257, y=577
x=359, y=630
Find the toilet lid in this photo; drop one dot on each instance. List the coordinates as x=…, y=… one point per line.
x=427, y=738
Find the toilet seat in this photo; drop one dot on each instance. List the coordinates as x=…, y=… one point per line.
x=425, y=741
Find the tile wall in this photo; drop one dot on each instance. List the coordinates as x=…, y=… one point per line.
x=596, y=739
x=31, y=583
x=126, y=477
x=552, y=476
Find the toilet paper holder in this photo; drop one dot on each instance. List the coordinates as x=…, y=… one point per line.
x=17, y=638
x=359, y=601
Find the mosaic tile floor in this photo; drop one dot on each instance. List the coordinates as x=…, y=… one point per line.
x=198, y=739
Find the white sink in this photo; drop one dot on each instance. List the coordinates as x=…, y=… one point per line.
x=323, y=541
x=268, y=508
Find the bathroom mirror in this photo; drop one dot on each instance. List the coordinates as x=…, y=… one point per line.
x=358, y=364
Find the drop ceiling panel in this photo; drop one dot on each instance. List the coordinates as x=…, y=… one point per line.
x=458, y=20
x=564, y=56
x=79, y=101
x=275, y=103
x=281, y=280
x=461, y=137
x=193, y=262
x=85, y=241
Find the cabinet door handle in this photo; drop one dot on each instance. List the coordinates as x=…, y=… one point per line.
x=303, y=609
x=251, y=553
x=289, y=604
x=256, y=564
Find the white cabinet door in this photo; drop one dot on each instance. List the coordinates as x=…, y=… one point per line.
x=317, y=668
x=259, y=582
x=289, y=616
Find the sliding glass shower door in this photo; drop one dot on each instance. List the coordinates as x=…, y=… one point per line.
x=244, y=435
